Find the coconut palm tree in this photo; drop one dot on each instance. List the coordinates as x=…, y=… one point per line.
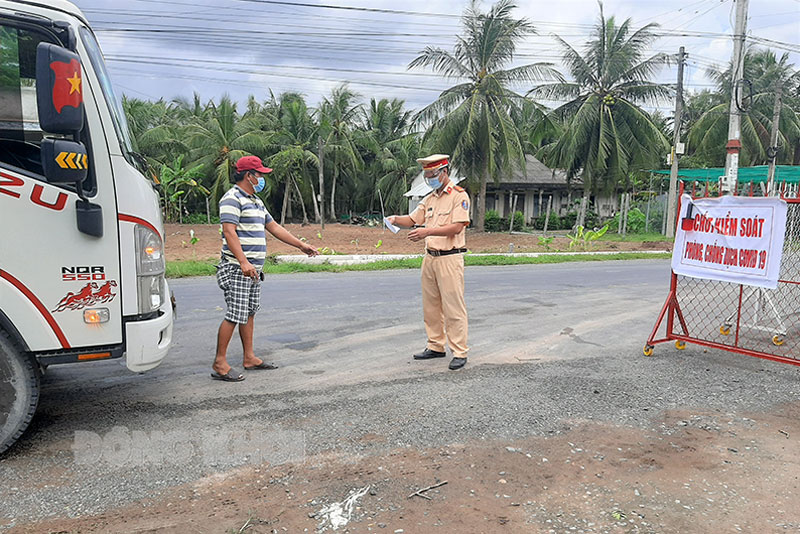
x=155, y=132
x=338, y=115
x=399, y=166
x=223, y=138
x=382, y=124
x=472, y=120
x=696, y=105
x=293, y=143
x=769, y=76
x=607, y=133
x=187, y=111
x=537, y=127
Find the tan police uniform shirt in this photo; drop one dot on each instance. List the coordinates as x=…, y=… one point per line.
x=440, y=209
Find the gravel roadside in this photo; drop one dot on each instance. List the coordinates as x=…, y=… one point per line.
x=482, y=403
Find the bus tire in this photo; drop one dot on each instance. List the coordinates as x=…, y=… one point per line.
x=19, y=391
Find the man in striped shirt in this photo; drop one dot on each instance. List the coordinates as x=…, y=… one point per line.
x=244, y=221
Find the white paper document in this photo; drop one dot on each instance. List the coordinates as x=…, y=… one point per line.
x=390, y=226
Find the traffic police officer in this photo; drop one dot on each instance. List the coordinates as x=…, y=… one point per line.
x=441, y=219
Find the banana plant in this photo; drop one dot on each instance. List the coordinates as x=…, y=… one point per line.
x=176, y=182
x=585, y=238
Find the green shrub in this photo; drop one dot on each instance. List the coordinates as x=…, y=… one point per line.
x=568, y=220
x=553, y=224
x=636, y=220
x=519, y=220
x=200, y=218
x=492, y=221
x=592, y=220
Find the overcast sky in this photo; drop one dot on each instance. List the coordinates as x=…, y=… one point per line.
x=169, y=48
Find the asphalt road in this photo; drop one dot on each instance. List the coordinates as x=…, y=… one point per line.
x=549, y=344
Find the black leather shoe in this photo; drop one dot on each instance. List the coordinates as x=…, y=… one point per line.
x=457, y=363
x=427, y=354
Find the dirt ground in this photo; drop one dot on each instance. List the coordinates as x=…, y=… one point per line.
x=350, y=239
x=691, y=473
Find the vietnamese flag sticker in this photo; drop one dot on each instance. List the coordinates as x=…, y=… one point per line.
x=67, y=88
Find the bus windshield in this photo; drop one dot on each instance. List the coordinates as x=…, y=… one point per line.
x=114, y=104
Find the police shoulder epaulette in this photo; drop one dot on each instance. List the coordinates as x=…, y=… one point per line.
x=458, y=188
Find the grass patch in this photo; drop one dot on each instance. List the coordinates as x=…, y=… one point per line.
x=183, y=268
x=180, y=269
x=636, y=238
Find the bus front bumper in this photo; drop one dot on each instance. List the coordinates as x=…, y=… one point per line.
x=148, y=341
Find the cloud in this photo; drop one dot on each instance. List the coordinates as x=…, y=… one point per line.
x=248, y=46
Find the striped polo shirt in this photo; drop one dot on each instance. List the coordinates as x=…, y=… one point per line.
x=250, y=216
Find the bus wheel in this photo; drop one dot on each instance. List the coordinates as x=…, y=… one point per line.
x=19, y=391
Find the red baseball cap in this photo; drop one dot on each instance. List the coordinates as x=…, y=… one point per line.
x=251, y=163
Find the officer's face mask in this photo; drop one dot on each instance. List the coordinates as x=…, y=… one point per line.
x=433, y=180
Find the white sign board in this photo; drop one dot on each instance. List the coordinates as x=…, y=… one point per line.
x=731, y=239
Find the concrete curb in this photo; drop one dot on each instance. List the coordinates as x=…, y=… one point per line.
x=354, y=259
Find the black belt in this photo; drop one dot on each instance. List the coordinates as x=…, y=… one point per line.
x=446, y=252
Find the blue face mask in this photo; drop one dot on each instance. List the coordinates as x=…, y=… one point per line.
x=433, y=181
x=259, y=186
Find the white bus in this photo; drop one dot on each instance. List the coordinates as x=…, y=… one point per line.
x=81, y=251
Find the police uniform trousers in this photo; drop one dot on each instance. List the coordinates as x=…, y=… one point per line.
x=443, y=303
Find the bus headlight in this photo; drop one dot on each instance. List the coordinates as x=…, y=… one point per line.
x=150, y=268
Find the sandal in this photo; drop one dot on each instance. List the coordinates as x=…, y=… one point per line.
x=227, y=377
x=262, y=365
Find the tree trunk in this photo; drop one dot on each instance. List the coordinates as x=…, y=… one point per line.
x=547, y=217
x=647, y=212
x=208, y=210
x=581, y=220
x=623, y=215
x=333, y=189
x=479, y=223
x=316, y=206
x=513, y=204
x=302, y=204
x=180, y=209
x=286, y=190
x=321, y=149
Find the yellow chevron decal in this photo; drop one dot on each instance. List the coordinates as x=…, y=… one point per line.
x=60, y=159
x=72, y=160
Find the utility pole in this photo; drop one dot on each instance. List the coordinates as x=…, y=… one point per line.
x=676, y=139
x=729, y=181
x=772, y=151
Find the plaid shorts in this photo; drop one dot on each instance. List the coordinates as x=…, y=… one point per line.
x=242, y=294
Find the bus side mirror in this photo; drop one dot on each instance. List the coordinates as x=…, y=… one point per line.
x=59, y=89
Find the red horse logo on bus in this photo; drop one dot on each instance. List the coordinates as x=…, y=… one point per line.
x=87, y=296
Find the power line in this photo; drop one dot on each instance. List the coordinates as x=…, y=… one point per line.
x=331, y=41
x=202, y=63
x=776, y=44
x=252, y=72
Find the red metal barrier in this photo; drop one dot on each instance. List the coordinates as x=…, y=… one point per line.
x=743, y=319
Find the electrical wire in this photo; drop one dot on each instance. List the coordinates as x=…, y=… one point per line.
x=328, y=43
